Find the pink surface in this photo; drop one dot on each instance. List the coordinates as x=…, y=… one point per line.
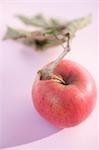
x=20, y=123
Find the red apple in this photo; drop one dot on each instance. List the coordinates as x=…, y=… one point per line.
x=68, y=101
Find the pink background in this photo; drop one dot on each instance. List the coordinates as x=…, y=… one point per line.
x=20, y=124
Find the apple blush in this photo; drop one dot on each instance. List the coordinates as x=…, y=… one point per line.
x=64, y=92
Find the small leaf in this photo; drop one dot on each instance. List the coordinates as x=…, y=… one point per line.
x=54, y=22
x=78, y=24
x=38, y=20
x=25, y=19
x=12, y=33
x=51, y=31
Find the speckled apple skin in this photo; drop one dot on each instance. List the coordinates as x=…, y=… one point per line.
x=65, y=105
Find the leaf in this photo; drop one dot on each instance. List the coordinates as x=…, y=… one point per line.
x=77, y=24
x=12, y=33
x=50, y=29
x=54, y=22
x=25, y=19
x=38, y=20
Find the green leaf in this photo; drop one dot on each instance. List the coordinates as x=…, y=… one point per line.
x=77, y=24
x=54, y=22
x=12, y=33
x=45, y=37
x=38, y=20
x=25, y=19
x=51, y=31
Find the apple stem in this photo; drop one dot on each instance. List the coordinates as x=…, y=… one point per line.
x=47, y=73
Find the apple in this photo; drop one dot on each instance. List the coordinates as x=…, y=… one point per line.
x=69, y=103
x=64, y=92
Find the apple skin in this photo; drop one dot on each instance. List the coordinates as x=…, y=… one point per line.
x=65, y=105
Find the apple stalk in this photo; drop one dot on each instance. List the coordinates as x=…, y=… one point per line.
x=47, y=73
